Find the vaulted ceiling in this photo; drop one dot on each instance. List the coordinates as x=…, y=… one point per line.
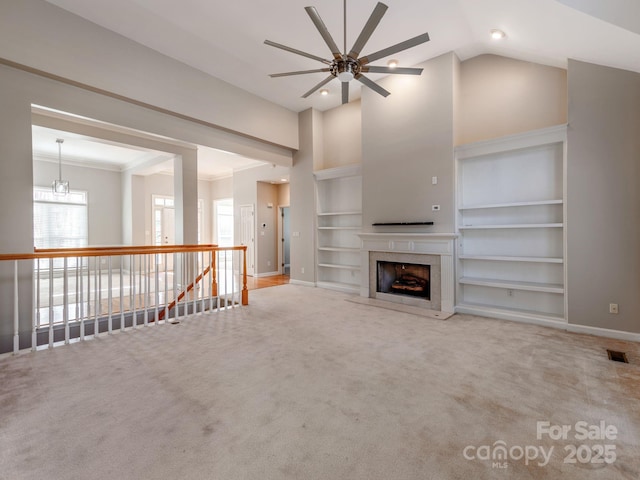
x=225, y=38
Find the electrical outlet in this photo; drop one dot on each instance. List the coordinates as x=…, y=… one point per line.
x=613, y=308
x=302, y=270
x=434, y=180
x=268, y=263
x=509, y=293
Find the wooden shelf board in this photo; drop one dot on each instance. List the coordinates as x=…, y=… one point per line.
x=497, y=258
x=339, y=228
x=511, y=226
x=340, y=249
x=341, y=287
x=492, y=310
x=342, y=267
x=333, y=214
x=512, y=204
x=513, y=285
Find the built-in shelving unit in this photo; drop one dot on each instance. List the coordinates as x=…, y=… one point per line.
x=339, y=219
x=510, y=220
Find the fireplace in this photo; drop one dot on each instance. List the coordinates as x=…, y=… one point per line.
x=408, y=279
x=428, y=252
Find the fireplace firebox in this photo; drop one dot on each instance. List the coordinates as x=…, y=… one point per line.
x=404, y=279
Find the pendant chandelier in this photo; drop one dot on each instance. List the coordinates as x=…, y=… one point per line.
x=60, y=186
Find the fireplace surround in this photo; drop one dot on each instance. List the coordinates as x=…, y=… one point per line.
x=434, y=250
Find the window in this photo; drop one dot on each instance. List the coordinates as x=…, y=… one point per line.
x=59, y=221
x=224, y=222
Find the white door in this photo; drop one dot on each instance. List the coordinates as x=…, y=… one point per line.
x=248, y=235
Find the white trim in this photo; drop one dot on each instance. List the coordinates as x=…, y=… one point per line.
x=339, y=287
x=293, y=281
x=339, y=172
x=603, y=332
x=541, y=320
x=266, y=274
x=557, y=134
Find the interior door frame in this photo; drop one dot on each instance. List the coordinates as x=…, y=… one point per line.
x=281, y=238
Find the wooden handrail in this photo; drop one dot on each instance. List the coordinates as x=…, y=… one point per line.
x=114, y=251
x=124, y=247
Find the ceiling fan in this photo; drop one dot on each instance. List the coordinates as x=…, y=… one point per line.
x=348, y=66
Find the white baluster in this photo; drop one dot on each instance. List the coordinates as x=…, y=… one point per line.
x=65, y=300
x=16, y=310
x=110, y=296
x=121, y=293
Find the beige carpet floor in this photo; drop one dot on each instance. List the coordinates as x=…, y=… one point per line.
x=303, y=384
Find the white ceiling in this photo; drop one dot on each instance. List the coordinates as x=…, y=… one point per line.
x=225, y=38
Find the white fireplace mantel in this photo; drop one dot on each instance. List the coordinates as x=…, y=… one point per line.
x=441, y=244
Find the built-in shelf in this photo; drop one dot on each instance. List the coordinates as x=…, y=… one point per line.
x=510, y=226
x=344, y=267
x=339, y=219
x=511, y=210
x=513, y=285
x=499, y=258
x=512, y=204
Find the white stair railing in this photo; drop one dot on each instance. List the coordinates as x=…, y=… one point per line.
x=98, y=291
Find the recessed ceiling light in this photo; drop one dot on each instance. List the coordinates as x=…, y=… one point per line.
x=392, y=63
x=324, y=92
x=497, y=34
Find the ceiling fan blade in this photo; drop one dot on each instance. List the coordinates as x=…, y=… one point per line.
x=385, y=52
x=300, y=72
x=321, y=84
x=317, y=21
x=345, y=92
x=402, y=71
x=298, y=52
x=368, y=29
x=372, y=85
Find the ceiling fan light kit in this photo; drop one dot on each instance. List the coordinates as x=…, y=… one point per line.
x=349, y=66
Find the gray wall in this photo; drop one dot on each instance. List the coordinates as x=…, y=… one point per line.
x=407, y=139
x=267, y=236
x=603, y=199
x=502, y=96
x=104, y=189
x=302, y=197
x=42, y=36
x=342, y=136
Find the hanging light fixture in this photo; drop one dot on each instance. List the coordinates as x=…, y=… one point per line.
x=60, y=186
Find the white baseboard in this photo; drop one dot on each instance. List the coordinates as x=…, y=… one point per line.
x=267, y=274
x=604, y=332
x=543, y=321
x=301, y=282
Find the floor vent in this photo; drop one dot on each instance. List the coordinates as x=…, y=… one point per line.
x=617, y=356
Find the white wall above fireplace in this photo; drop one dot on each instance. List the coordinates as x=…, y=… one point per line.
x=440, y=244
